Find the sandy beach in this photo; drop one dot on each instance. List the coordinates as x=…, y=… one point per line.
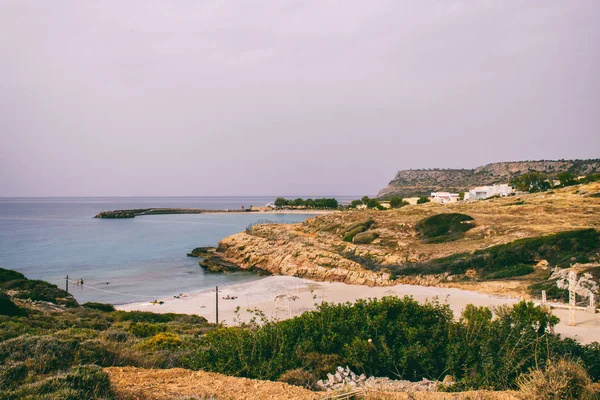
x=281, y=297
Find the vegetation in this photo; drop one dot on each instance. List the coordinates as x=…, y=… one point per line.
x=423, y=200
x=443, y=227
x=564, y=380
x=396, y=338
x=58, y=354
x=354, y=229
x=560, y=249
x=324, y=203
x=540, y=182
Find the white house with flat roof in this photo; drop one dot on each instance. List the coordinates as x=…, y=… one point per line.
x=484, y=192
x=444, y=197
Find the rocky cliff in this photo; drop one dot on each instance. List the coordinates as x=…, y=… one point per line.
x=418, y=182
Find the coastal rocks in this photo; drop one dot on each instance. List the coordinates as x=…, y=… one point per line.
x=345, y=378
x=202, y=252
x=216, y=264
x=298, y=258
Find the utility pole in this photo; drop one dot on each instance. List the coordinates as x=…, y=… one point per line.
x=67, y=284
x=217, y=305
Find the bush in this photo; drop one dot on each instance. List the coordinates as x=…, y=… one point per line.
x=423, y=200
x=99, y=306
x=365, y=237
x=36, y=290
x=299, y=377
x=10, y=275
x=50, y=354
x=509, y=272
x=562, y=380
x=144, y=330
x=7, y=307
x=13, y=374
x=443, y=227
x=163, y=341
x=146, y=316
x=84, y=382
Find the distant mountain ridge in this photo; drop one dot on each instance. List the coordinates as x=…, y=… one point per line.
x=419, y=182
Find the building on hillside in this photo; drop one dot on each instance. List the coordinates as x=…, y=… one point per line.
x=385, y=204
x=444, y=197
x=484, y=192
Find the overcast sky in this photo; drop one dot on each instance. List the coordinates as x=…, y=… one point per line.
x=278, y=97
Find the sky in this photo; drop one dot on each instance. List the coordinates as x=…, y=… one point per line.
x=278, y=97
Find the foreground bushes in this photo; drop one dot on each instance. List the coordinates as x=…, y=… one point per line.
x=397, y=338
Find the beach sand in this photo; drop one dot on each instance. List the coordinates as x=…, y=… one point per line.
x=281, y=297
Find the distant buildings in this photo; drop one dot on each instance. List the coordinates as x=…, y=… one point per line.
x=444, y=197
x=484, y=192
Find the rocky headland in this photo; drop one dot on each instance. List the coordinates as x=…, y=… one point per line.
x=325, y=248
x=420, y=182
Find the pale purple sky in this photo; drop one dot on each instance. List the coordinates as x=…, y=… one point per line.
x=192, y=97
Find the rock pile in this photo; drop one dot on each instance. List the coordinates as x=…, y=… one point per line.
x=344, y=378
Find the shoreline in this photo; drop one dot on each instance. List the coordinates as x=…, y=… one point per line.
x=282, y=297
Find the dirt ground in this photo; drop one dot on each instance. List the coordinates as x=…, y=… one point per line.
x=153, y=384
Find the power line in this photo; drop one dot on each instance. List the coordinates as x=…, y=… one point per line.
x=112, y=292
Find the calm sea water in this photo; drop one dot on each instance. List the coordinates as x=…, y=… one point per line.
x=142, y=258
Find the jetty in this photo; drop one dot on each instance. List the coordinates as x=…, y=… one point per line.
x=159, y=211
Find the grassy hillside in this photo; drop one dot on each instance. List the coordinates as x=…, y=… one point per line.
x=468, y=244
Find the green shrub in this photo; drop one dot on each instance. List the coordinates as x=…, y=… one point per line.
x=164, y=341
x=443, y=227
x=144, y=330
x=36, y=290
x=10, y=275
x=365, y=237
x=509, y=272
x=13, y=374
x=559, y=249
x=7, y=307
x=50, y=354
x=146, y=316
x=99, y=306
x=84, y=382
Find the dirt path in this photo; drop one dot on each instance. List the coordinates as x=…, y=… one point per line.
x=154, y=384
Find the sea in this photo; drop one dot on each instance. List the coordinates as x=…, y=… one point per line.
x=123, y=260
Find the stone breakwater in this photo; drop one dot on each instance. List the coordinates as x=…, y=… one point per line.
x=345, y=378
x=157, y=211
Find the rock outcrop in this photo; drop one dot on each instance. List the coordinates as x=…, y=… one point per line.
x=419, y=182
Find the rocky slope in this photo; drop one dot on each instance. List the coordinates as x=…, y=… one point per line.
x=417, y=182
x=317, y=250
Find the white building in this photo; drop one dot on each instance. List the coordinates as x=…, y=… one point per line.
x=444, y=197
x=484, y=192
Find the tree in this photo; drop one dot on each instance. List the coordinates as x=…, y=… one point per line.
x=531, y=182
x=365, y=200
x=373, y=203
x=356, y=203
x=423, y=199
x=310, y=203
x=396, y=202
x=461, y=196
x=566, y=178
x=299, y=202
x=280, y=202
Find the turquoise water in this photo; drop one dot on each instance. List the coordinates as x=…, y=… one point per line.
x=142, y=258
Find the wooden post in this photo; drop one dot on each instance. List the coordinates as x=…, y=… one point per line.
x=543, y=297
x=592, y=308
x=217, y=305
x=67, y=284
x=572, y=299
